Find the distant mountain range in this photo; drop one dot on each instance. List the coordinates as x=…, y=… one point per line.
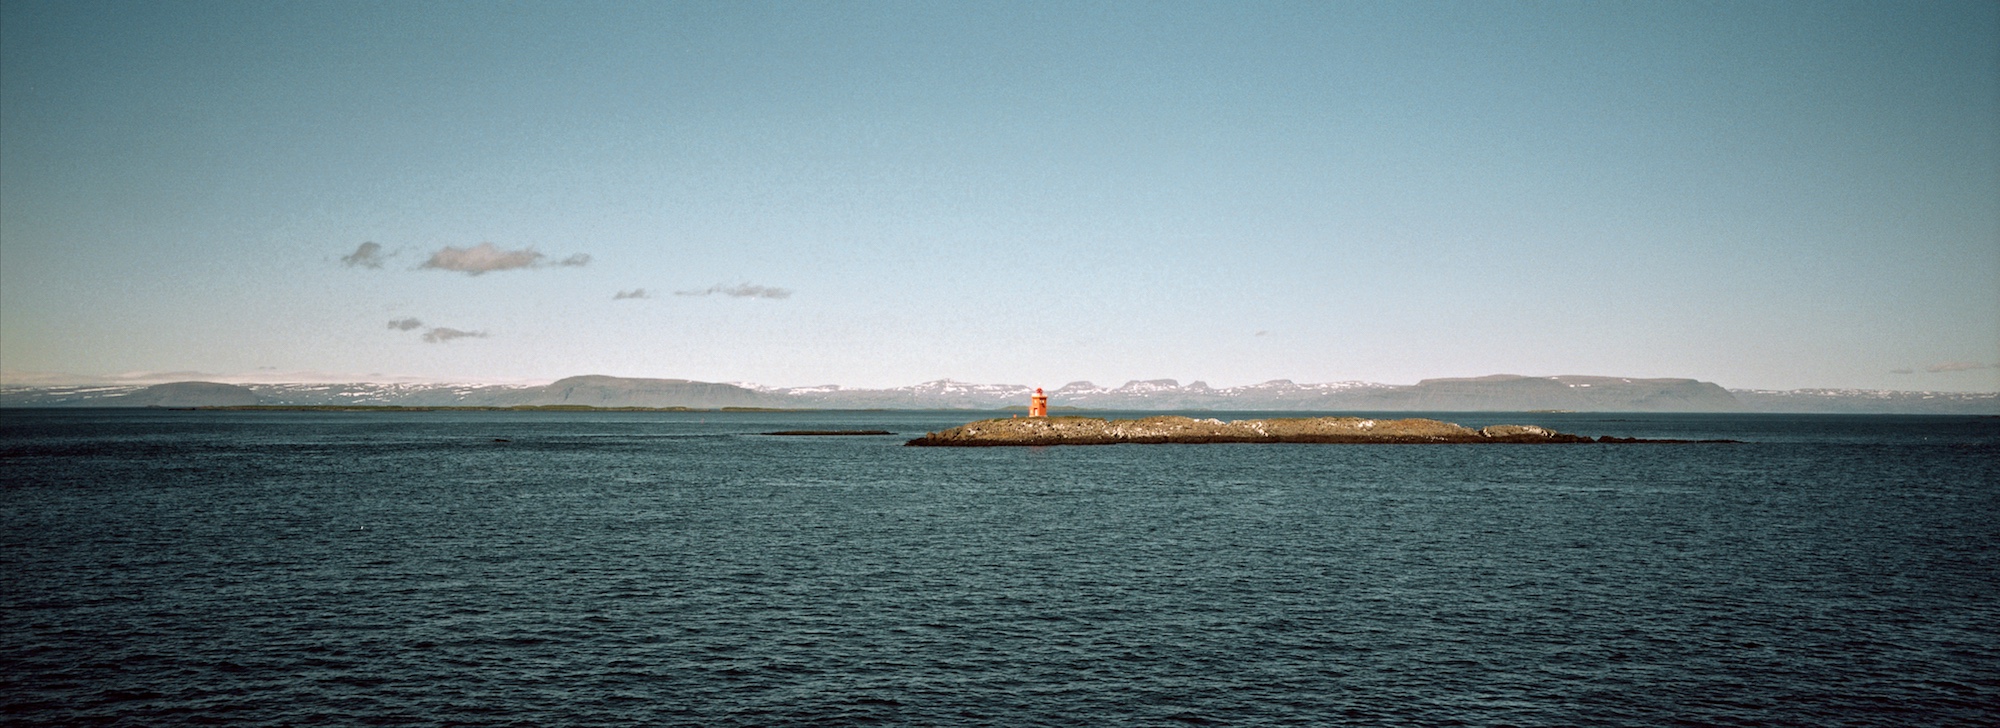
x=1502, y=392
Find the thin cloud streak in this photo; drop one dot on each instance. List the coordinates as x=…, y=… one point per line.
x=744, y=290
x=441, y=335
x=405, y=324
x=1959, y=366
x=634, y=293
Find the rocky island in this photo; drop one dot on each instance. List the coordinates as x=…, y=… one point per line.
x=1174, y=429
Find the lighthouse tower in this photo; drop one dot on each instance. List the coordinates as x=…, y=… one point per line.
x=1038, y=406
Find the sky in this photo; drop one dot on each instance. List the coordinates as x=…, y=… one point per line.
x=874, y=194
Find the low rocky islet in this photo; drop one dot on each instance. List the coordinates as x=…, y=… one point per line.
x=1170, y=429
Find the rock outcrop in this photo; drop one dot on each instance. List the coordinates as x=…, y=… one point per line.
x=1173, y=429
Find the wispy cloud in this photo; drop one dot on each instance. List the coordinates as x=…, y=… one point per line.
x=487, y=257
x=634, y=293
x=405, y=324
x=440, y=335
x=369, y=255
x=1958, y=366
x=741, y=290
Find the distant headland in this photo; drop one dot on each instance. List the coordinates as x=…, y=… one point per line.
x=1032, y=431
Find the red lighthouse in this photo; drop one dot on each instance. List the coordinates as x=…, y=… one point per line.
x=1038, y=406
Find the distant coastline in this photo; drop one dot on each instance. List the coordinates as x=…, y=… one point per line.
x=1497, y=393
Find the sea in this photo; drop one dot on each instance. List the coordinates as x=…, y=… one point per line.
x=460, y=568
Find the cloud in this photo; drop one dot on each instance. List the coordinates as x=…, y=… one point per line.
x=369, y=255
x=486, y=258
x=1958, y=366
x=481, y=258
x=634, y=293
x=440, y=335
x=435, y=334
x=744, y=290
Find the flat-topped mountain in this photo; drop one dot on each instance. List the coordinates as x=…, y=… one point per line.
x=602, y=391
x=187, y=394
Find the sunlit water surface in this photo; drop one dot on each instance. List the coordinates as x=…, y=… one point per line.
x=292, y=568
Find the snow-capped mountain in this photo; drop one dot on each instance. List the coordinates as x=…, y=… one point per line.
x=1867, y=401
x=367, y=393
x=936, y=394
x=297, y=394
x=1145, y=394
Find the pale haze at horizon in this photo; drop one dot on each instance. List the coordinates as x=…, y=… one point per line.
x=877, y=194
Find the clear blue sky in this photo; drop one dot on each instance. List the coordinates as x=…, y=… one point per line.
x=1768, y=195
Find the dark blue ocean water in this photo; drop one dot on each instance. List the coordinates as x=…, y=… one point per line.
x=274, y=568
